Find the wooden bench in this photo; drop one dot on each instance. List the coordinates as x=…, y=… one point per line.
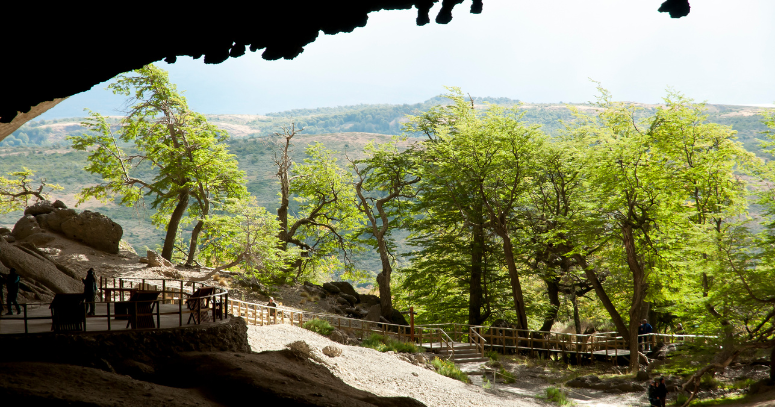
x=140, y=307
x=68, y=313
x=199, y=305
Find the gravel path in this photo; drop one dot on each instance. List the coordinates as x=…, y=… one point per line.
x=384, y=374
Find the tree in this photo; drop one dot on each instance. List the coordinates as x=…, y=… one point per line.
x=177, y=157
x=327, y=211
x=16, y=192
x=384, y=184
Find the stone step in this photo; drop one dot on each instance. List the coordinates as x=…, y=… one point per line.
x=470, y=360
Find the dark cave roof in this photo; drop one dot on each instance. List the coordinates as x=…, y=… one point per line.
x=55, y=50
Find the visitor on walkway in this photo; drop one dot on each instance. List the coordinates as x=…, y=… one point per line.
x=12, y=283
x=662, y=391
x=653, y=391
x=643, y=330
x=90, y=290
x=271, y=303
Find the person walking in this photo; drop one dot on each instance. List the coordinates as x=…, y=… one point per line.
x=662, y=391
x=643, y=330
x=90, y=290
x=12, y=283
x=653, y=394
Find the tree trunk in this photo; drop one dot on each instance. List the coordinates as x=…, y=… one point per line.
x=638, y=293
x=576, y=318
x=603, y=296
x=772, y=365
x=194, y=242
x=383, y=280
x=553, y=292
x=475, y=296
x=172, y=227
x=516, y=287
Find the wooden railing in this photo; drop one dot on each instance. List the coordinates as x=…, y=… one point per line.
x=113, y=291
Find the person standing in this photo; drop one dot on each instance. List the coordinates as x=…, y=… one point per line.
x=90, y=290
x=662, y=392
x=272, y=303
x=12, y=283
x=643, y=330
x=653, y=392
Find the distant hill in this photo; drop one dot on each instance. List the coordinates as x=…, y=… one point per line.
x=41, y=146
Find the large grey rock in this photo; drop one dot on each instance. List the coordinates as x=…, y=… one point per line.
x=347, y=288
x=40, y=239
x=338, y=336
x=35, y=268
x=352, y=300
x=369, y=299
x=59, y=204
x=53, y=220
x=5, y=231
x=94, y=230
x=374, y=313
x=155, y=260
x=26, y=226
x=398, y=318
x=331, y=288
x=39, y=208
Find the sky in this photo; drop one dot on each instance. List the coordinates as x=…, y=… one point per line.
x=534, y=51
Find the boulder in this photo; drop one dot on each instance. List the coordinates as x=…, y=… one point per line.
x=53, y=221
x=347, y=288
x=398, y=318
x=342, y=301
x=59, y=204
x=40, y=208
x=9, y=238
x=374, y=313
x=26, y=226
x=40, y=239
x=35, y=268
x=94, y=230
x=369, y=299
x=155, y=260
x=338, y=336
x=642, y=375
x=332, y=351
x=331, y=288
x=352, y=300
x=5, y=231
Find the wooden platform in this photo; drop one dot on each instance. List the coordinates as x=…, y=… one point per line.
x=99, y=322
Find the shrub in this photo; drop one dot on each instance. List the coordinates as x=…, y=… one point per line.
x=486, y=383
x=557, y=396
x=320, y=326
x=383, y=344
x=448, y=368
x=493, y=355
x=508, y=377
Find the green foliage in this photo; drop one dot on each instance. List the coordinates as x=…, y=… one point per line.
x=17, y=192
x=557, y=396
x=492, y=355
x=448, y=368
x=507, y=376
x=385, y=344
x=320, y=326
x=486, y=384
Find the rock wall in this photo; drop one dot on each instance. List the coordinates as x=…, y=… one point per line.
x=112, y=350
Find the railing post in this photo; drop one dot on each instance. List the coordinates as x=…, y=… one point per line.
x=158, y=315
x=180, y=305
x=25, y=317
x=163, y=290
x=108, y=304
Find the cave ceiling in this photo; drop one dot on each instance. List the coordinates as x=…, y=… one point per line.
x=59, y=49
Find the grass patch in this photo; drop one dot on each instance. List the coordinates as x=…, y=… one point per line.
x=709, y=382
x=727, y=399
x=557, y=396
x=486, y=383
x=508, y=377
x=493, y=355
x=320, y=326
x=383, y=344
x=740, y=384
x=447, y=368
